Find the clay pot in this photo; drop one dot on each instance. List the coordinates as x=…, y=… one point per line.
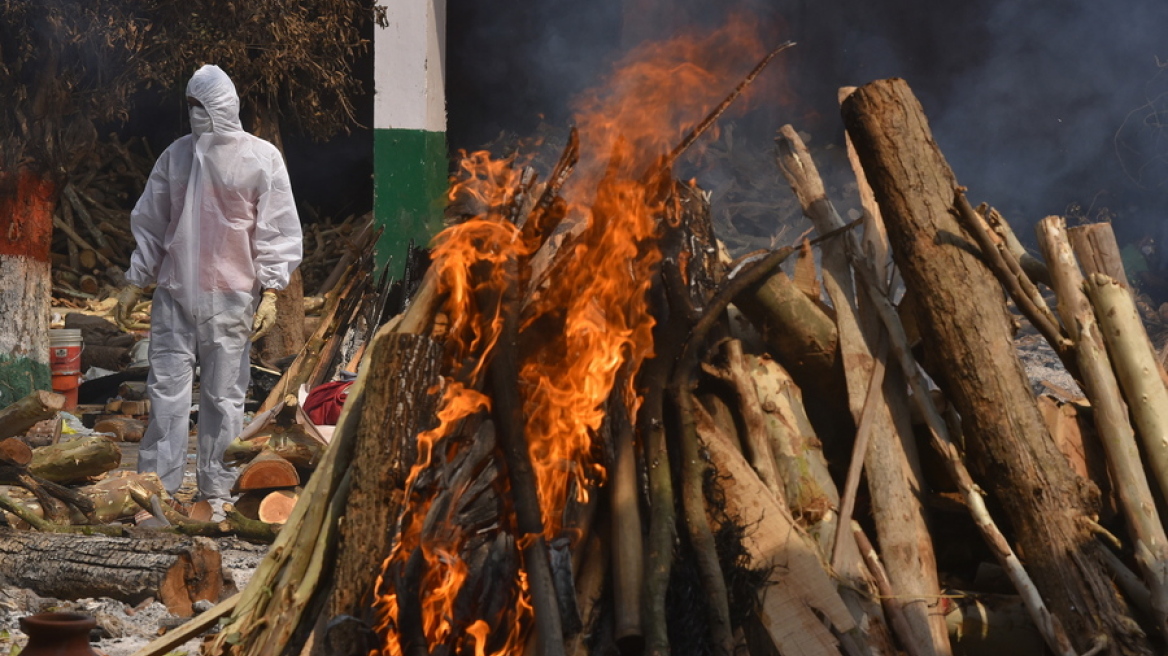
x=58, y=634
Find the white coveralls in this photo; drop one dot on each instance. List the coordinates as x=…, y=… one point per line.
x=215, y=226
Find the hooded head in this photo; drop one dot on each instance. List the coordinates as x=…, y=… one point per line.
x=218, y=108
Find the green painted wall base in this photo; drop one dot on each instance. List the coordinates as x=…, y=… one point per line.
x=409, y=189
x=19, y=377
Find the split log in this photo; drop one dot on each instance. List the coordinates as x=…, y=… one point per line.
x=811, y=496
x=177, y=571
x=267, y=471
x=293, y=443
x=76, y=461
x=795, y=606
x=962, y=307
x=23, y=414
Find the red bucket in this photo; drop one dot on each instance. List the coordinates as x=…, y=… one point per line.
x=65, y=362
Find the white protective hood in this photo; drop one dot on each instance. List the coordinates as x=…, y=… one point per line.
x=217, y=221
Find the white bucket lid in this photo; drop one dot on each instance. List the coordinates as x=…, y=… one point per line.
x=67, y=336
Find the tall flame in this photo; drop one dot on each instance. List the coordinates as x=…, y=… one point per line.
x=596, y=299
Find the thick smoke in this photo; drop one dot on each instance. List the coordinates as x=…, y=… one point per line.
x=1040, y=108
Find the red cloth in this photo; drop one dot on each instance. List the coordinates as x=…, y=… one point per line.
x=323, y=404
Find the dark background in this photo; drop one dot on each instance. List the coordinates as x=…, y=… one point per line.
x=1041, y=108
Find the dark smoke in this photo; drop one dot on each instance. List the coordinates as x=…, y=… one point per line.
x=1040, y=108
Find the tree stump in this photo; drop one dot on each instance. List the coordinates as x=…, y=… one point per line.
x=971, y=354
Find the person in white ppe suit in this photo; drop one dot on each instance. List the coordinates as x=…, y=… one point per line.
x=218, y=233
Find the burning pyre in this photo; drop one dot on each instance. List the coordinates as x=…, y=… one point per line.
x=547, y=292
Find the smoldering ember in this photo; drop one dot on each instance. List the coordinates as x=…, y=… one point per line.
x=578, y=422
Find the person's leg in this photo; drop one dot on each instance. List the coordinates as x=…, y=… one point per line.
x=224, y=373
x=163, y=448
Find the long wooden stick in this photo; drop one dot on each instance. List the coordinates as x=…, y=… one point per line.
x=709, y=120
x=503, y=373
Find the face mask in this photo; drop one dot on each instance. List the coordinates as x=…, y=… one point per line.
x=200, y=121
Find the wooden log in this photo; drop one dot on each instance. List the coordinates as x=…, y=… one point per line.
x=1111, y=417
x=76, y=461
x=383, y=454
x=123, y=429
x=1135, y=365
x=961, y=305
x=276, y=506
x=23, y=414
x=810, y=493
x=267, y=471
x=175, y=570
x=804, y=339
x=293, y=443
x=15, y=452
x=794, y=607
x=248, y=504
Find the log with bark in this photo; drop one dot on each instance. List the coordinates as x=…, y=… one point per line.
x=26, y=412
x=178, y=571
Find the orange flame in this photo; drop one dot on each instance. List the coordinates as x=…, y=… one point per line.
x=597, y=299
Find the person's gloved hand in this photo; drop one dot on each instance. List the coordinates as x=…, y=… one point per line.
x=265, y=316
x=127, y=298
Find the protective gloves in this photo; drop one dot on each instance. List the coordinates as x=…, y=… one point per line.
x=265, y=316
x=127, y=298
